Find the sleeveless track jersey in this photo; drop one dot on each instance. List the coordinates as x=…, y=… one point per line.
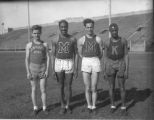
x=65, y=48
x=115, y=50
x=90, y=47
x=38, y=53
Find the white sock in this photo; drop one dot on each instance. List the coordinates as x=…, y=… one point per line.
x=44, y=108
x=89, y=106
x=66, y=107
x=112, y=106
x=123, y=107
x=35, y=108
x=93, y=107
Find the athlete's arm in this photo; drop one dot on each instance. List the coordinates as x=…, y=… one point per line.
x=126, y=58
x=80, y=44
x=48, y=59
x=76, y=59
x=53, y=55
x=104, y=57
x=27, y=61
x=99, y=41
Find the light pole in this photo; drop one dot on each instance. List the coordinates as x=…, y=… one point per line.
x=28, y=22
x=2, y=28
x=109, y=7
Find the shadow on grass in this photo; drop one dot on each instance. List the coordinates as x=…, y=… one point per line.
x=52, y=106
x=133, y=96
x=77, y=100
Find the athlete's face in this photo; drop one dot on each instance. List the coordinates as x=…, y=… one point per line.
x=36, y=34
x=63, y=28
x=89, y=28
x=114, y=32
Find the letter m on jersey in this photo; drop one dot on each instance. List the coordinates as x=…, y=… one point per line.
x=90, y=46
x=63, y=47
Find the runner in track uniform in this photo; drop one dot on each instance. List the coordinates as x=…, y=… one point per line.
x=64, y=64
x=116, y=64
x=90, y=51
x=37, y=64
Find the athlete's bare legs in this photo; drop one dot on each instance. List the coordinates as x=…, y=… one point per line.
x=43, y=92
x=87, y=83
x=94, y=80
x=68, y=78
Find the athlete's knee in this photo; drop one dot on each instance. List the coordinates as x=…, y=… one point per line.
x=93, y=89
x=111, y=89
x=122, y=88
x=33, y=88
x=43, y=90
x=120, y=75
x=121, y=82
x=61, y=84
x=111, y=84
x=87, y=89
x=69, y=87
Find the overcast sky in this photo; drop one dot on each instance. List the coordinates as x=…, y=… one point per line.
x=14, y=14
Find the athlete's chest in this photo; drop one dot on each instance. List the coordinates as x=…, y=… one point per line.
x=65, y=46
x=115, y=48
x=90, y=44
x=37, y=49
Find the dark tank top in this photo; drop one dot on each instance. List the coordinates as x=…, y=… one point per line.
x=115, y=50
x=90, y=47
x=38, y=53
x=65, y=48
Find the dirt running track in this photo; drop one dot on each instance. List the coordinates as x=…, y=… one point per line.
x=15, y=101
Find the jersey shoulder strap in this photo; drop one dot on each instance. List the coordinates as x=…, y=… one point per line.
x=98, y=39
x=107, y=42
x=82, y=39
x=55, y=39
x=30, y=45
x=44, y=44
x=123, y=41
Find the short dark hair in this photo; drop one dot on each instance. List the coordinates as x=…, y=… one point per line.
x=85, y=21
x=36, y=27
x=113, y=25
x=63, y=21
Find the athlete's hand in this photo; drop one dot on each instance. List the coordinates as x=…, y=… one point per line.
x=75, y=74
x=29, y=76
x=54, y=75
x=46, y=74
x=104, y=76
x=126, y=74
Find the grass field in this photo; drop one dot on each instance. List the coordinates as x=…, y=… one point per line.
x=15, y=101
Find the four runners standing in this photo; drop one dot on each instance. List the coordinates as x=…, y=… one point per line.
x=65, y=49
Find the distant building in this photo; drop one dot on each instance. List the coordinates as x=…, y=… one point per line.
x=10, y=29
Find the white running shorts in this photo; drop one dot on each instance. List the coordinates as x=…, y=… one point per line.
x=64, y=65
x=90, y=64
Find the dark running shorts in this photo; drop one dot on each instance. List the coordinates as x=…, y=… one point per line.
x=37, y=71
x=115, y=66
